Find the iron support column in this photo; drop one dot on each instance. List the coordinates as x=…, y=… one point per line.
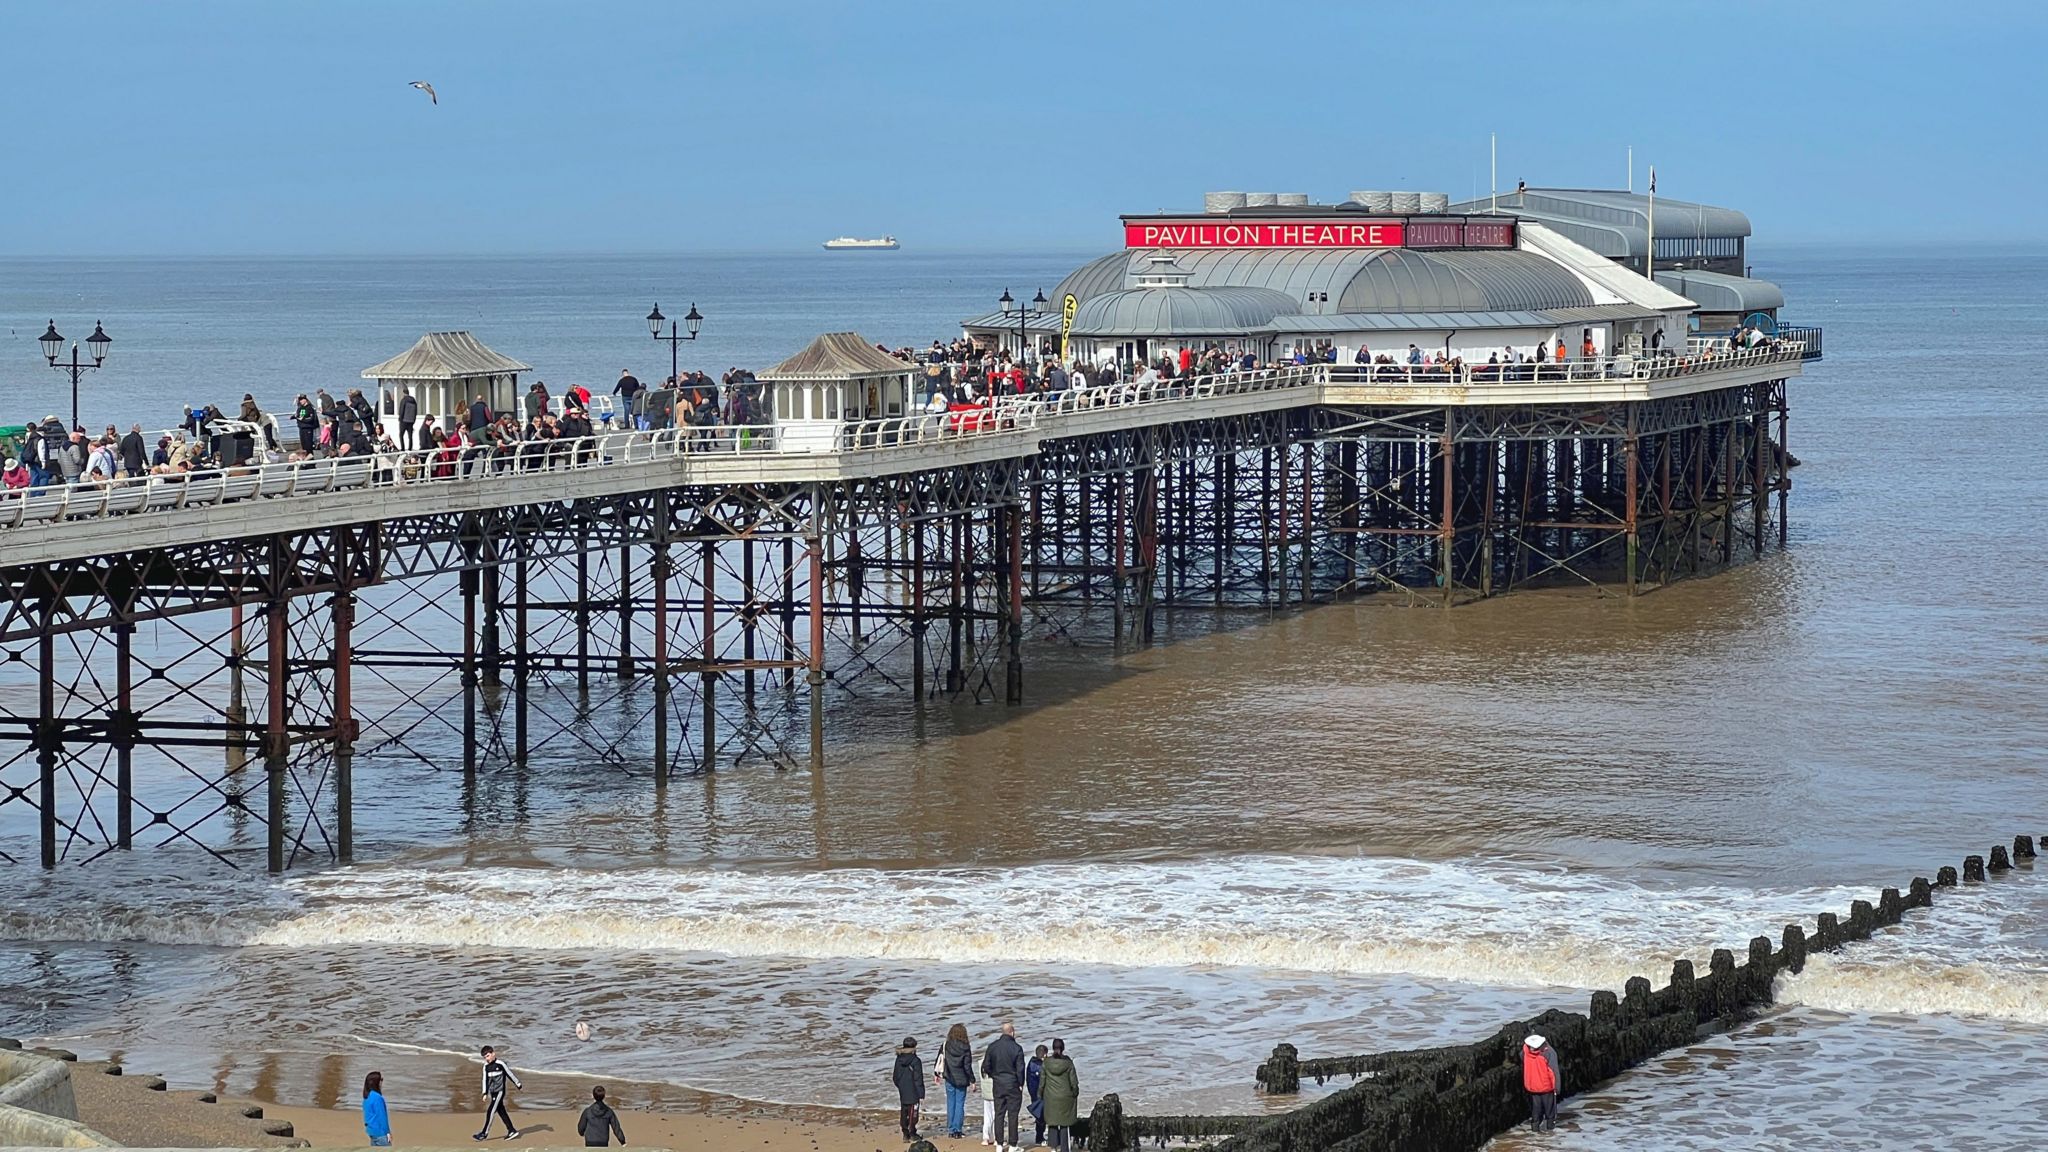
x=124, y=732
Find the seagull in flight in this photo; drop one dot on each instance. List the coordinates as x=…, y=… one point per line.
x=423, y=86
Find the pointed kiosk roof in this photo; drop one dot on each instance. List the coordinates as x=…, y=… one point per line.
x=446, y=356
x=838, y=356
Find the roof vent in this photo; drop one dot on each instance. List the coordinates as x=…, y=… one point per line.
x=1162, y=271
x=1407, y=203
x=1374, y=201
x=1214, y=202
x=1435, y=203
x=1260, y=199
x=1292, y=199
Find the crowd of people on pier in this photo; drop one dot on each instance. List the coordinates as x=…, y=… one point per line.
x=949, y=377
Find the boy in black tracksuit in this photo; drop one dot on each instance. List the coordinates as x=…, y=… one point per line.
x=496, y=1073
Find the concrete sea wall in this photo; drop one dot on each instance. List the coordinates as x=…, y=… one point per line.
x=1461, y=1096
x=37, y=1106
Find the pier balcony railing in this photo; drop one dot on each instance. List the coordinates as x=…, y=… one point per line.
x=1038, y=416
x=1809, y=337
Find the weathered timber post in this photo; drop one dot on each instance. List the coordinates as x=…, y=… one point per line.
x=1280, y=1075
x=1795, y=948
x=1973, y=868
x=1106, y=1126
x=1999, y=861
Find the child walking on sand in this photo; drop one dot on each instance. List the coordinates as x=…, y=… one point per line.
x=496, y=1073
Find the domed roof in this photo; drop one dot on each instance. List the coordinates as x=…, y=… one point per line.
x=1357, y=279
x=1102, y=274
x=1408, y=280
x=1180, y=311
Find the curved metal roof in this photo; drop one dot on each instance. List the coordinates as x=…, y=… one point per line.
x=837, y=356
x=1102, y=274
x=1224, y=311
x=446, y=356
x=1719, y=292
x=1357, y=279
x=1407, y=280
x=1613, y=223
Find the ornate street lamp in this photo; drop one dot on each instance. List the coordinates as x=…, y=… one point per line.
x=53, y=345
x=675, y=341
x=1036, y=307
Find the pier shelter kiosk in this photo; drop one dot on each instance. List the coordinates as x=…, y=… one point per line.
x=839, y=379
x=447, y=371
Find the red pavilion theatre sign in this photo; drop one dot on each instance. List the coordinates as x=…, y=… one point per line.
x=1448, y=232
x=1264, y=234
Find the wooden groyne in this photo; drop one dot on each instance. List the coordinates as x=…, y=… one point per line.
x=1460, y=1096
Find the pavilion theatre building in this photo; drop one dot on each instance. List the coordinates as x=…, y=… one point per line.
x=1470, y=280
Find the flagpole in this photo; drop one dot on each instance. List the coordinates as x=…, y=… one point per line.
x=1631, y=167
x=1493, y=171
x=1650, y=258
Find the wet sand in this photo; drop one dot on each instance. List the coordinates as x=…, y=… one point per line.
x=556, y=1128
x=128, y=1109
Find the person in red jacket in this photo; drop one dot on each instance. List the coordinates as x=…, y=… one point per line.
x=1540, y=1077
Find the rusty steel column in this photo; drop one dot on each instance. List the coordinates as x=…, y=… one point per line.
x=626, y=609
x=469, y=678
x=1447, y=532
x=954, y=679
x=917, y=622
x=346, y=730
x=663, y=570
x=816, y=677
x=1117, y=570
x=749, y=613
x=493, y=630
x=48, y=739
x=1266, y=523
x=583, y=626
x=1759, y=442
x=1014, y=680
x=522, y=659
x=1784, y=464
x=1728, y=475
x=789, y=612
x=1225, y=520
x=708, y=675
x=1488, y=509
x=125, y=722
x=1628, y=461
x=1282, y=515
x=1308, y=511
x=276, y=737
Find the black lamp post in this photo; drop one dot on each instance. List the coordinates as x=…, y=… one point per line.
x=1036, y=307
x=675, y=341
x=54, y=344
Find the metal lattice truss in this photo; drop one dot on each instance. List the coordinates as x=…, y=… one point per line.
x=218, y=693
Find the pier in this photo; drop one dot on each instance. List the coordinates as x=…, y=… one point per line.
x=245, y=640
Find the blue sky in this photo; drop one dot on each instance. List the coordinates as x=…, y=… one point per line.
x=287, y=127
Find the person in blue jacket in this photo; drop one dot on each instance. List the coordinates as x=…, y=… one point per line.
x=376, y=1117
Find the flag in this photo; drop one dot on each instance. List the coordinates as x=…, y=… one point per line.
x=1653, y=179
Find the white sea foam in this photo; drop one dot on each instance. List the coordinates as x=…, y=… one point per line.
x=1486, y=923
x=1495, y=923
x=1919, y=987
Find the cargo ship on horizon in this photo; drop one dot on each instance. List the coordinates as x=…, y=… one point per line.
x=886, y=243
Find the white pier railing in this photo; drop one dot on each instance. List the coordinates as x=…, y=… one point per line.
x=1035, y=417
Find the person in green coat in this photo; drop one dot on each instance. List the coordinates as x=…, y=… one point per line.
x=1060, y=1088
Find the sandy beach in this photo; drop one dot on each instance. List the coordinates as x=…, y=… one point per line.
x=556, y=1128
x=441, y=1112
